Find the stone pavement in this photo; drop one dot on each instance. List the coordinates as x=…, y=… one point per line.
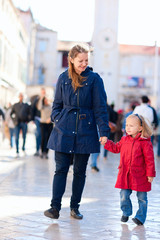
x=25, y=192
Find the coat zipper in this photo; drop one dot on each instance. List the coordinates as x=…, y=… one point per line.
x=77, y=111
x=130, y=161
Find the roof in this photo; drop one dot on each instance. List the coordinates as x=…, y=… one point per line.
x=137, y=49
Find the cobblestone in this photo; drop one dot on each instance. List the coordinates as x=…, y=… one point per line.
x=25, y=192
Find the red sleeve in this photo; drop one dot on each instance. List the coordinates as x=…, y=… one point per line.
x=113, y=147
x=149, y=158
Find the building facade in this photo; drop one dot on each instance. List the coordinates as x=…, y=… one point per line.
x=31, y=57
x=128, y=72
x=43, y=66
x=137, y=73
x=13, y=52
x=104, y=41
x=137, y=76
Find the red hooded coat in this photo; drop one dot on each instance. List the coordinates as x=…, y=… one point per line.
x=136, y=162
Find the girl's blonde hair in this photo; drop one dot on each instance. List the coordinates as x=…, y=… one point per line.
x=76, y=78
x=147, y=130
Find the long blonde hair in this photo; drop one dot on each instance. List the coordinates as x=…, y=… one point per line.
x=76, y=78
x=147, y=130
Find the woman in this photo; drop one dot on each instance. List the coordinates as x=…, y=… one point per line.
x=79, y=104
x=45, y=124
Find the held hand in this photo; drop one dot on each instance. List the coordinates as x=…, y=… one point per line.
x=103, y=140
x=150, y=179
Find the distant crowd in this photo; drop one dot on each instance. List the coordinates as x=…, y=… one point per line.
x=117, y=123
x=16, y=117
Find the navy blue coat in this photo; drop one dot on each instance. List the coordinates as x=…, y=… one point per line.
x=76, y=114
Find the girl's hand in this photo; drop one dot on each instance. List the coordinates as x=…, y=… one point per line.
x=103, y=140
x=150, y=179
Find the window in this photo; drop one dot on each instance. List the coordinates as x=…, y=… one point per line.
x=42, y=45
x=65, y=59
x=41, y=75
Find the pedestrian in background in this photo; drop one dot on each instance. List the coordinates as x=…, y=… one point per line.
x=2, y=114
x=144, y=109
x=79, y=104
x=136, y=168
x=119, y=124
x=113, y=118
x=21, y=115
x=155, y=122
x=2, y=121
x=158, y=134
x=10, y=124
x=36, y=117
x=94, y=158
x=45, y=124
x=129, y=110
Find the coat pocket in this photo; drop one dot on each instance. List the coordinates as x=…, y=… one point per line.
x=59, y=117
x=138, y=172
x=139, y=176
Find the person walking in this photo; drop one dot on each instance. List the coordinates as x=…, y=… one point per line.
x=21, y=115
x=129, y=110
x=155, y=122
x=36, y=117
x=158, y=134
x=2, y=114
x=78, y=107
x=136, y=168
x=45, y=124
x=144, y=109
x=94, y=158
x=2, y=122
x=113, y=117
x=10, y=124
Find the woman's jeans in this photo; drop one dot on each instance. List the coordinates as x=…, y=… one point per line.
x=59, y=182
x=126, y=205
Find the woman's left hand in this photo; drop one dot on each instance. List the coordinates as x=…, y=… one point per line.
x=103, y=140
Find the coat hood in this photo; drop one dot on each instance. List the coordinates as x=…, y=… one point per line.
x=87, y=71
x=139, y=137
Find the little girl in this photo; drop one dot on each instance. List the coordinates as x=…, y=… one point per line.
x=136, y=168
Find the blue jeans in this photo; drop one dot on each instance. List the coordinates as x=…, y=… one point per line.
x=94, y=157
x=126, y=204
x=11, y=133
x=152, y=139
x=37, y=134
x=59, y=182
x=111, y=137
x=105, y=153
x=21, y=126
